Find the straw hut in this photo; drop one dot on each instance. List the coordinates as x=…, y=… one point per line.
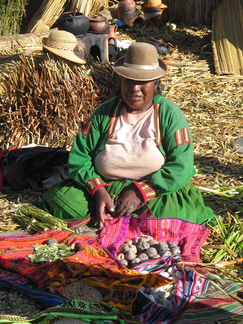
x=193, y=12
x=226, y=20
x=227, y=37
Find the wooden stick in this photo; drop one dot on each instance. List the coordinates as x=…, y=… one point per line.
x=217, y=265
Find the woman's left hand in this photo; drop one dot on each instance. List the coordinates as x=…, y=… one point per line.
x=127, y=202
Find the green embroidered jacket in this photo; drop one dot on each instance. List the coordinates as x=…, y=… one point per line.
x=173, y=138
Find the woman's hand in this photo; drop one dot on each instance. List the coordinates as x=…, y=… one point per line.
x=104, y=205
x=127, y=202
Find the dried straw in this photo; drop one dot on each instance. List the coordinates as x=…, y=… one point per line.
x=46, y=16
x=227, y=38
x=194, y=12
x=212, y=105
x=12, y=13
x=64, y=95
x=50, y=11
x=90, y=7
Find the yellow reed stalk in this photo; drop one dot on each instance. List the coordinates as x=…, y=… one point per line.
x=45, y=17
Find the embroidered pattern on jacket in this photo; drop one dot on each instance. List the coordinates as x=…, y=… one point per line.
x=182, y=136
x=87, y=127
x=156, y=123
x=145, y=189
x=92, y=183
x=114, y=117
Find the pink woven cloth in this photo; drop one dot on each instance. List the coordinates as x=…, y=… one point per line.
x=189, y=236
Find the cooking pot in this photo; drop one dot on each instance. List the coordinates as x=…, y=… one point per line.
x=98, y=24
x=125, y=5
x=77, y=24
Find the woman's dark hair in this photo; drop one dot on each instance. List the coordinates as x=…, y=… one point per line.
x=159, y=88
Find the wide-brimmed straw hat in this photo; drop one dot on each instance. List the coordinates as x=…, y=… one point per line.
x=140, y=63
x=154, y=4
x=63, y=44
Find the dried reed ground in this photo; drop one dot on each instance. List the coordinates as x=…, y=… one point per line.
x=213, y=107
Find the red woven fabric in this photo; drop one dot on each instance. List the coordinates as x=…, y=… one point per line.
x=91, y=263
x=189, y=236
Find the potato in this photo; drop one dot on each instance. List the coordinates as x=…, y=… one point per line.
x=142, y=244
x=161, y=247
x=151, y=252
x=175, y=250
x=124, y=262
x=130, y=255
x=121, y=256
x=152, y=242
x=135, y=261
x=143, y=256
x=165, y=253
x=148, y=237
x=133, y=248
x=124, y=248
x=171, y=244
x=129, y=243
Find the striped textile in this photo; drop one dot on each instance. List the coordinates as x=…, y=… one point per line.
x=91, y=263
x=195, y=300
x=81, y=309
x=189, y=236
x=44, y=297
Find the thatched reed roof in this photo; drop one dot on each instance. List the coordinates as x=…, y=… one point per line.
x=227, y=37
x=193, y=12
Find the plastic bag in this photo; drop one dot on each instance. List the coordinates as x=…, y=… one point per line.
x=28, y=167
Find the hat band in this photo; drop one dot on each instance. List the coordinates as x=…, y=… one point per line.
x=141, y=67
x=61, y=48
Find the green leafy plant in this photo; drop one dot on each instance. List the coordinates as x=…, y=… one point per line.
x=37, y=220
x=52, y=252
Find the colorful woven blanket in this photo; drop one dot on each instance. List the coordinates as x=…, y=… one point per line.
x=96, y=313
x=197, y=299
x=189, y=236
x=92, y=264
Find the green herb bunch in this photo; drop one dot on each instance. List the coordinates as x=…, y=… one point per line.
x=52, y=252
x=35, y=219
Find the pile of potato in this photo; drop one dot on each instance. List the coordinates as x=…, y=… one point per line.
x=144, y=248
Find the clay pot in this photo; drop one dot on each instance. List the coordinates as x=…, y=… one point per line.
x=98, y=24
x=154, y=16
x=126, y=5
x=126, y=12
x=127, y=17
x=112, y=31
x=77, y=24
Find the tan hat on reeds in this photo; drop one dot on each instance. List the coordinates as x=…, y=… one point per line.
x=154, y=4
x=63, y=44
x=140, y=63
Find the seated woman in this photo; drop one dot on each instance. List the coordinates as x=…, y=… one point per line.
x=134, y=156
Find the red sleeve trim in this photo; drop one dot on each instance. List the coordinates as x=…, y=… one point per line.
x=145, y=189
x=182, y=136
x=87, y=127
x=94, y=184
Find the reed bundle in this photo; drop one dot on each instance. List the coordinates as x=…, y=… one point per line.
x=47, y=101
x=227, y=38
x=90, y=7
x=50, y=11
x=46, y=16
x=194, y=12
x=11, y=13
x=17, y=43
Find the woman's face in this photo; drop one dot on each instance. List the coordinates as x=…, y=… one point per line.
x=138, y=95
